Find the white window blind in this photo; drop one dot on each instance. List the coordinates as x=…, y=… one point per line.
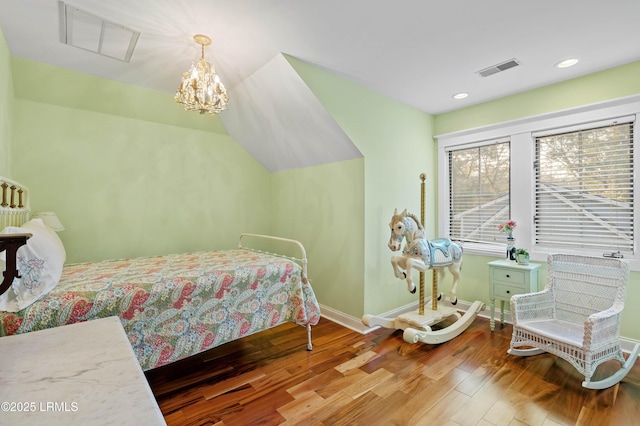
x=479, y=192
x=584, y=189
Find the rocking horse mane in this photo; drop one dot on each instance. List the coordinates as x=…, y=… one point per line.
x=416, y=220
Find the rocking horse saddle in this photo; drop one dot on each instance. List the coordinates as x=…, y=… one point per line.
x=442, y=244
x=443, y=252
x=438, y=252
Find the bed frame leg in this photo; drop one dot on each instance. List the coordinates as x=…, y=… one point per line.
x=309, y=344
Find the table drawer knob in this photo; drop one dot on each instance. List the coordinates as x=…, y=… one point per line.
x=511, y=277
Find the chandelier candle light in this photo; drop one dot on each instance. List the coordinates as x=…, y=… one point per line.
x=201, y=89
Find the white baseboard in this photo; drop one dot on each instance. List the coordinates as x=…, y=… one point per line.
x=356, y=324
x=343, y=319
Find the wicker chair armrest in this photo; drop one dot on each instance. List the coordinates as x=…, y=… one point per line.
x=602, y=326
x=607, y=313
x=531, y=306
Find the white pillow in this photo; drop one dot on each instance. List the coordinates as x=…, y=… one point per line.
x=40, y=264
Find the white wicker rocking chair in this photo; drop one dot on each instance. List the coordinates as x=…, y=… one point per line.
x=576, y=317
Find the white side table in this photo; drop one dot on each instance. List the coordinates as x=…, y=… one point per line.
x=507, y=278
x=78, y=374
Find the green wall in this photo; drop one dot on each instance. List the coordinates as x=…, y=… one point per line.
x=605, y=85
x=6, y=107
x=397, y=144
x=130, y=185
x=322, y=206
x=127, y=186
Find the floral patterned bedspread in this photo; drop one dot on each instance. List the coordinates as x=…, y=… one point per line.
x=175, y=306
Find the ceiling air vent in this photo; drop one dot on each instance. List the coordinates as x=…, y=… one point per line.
x=90, y=32
x=494, y=69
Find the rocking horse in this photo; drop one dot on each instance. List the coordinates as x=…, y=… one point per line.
x=422, y=254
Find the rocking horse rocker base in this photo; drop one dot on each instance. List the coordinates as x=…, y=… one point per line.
x=423, y=333
x=417, y=327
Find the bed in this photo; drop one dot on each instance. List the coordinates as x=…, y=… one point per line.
x=171, y=306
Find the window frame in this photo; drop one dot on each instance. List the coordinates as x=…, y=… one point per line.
x=521, y=133
x=611, y=248
x=476, y=245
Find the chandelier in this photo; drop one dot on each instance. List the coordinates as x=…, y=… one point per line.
x=201, y=89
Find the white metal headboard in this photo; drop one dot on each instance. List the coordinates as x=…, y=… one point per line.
x=303, y=253
x=14, y=203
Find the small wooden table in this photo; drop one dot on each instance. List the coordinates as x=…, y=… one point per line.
x=79, y=374
x=507, y=278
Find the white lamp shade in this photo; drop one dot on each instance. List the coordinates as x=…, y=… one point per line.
x=50, y=219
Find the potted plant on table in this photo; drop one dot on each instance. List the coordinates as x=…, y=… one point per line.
x=522, y=256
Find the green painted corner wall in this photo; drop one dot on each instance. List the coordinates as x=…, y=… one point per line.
x=131, y=186
x=321, y=206
x=396, y=142
x=605, y=85
x=127, y=187
x=6, y=107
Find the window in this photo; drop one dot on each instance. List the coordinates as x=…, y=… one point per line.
x=584, y=189
x=567, y=178
x=479, y=191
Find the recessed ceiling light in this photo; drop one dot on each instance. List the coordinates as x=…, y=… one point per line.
x=567, y=63
x=460, y=95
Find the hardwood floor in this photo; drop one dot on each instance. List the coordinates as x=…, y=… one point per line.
x=378, y=379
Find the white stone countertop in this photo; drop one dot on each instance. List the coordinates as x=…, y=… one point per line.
x=79, y=374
